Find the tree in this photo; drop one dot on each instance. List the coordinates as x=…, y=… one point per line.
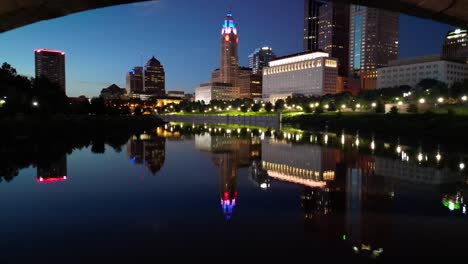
x=256, y=107
x=394, y=110
x=380, y=108
x=268, y=107
x=279, y=105
x=244, y=108
x=413, y=108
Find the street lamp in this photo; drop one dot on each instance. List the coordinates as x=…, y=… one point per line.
x=35, y=104
x=374, y=105
x=440, y=100
x=422, y=101
x=464, y=98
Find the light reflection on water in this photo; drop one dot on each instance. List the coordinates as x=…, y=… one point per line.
x=355, y=195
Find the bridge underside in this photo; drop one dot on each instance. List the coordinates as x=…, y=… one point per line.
x=17, y=13
x=454, y=12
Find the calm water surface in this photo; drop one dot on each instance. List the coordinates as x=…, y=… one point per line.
x=194, y=190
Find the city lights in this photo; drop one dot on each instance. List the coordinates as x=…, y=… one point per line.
x=462, y=166
x=343, y=106
x=358, y=106
x=422, y=101
x=440, y=100
x=374, y=105
x=464, y=98
x=35, y=103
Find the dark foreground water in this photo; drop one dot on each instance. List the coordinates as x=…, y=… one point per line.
x=229, y=192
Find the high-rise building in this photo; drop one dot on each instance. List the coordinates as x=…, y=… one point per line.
x=456, y=45
x=135, y=81
x=51, y=65
x=260, y=58
x=333, y=32
x=154, y=78
x=311, y=24
x=229, y=73
x=373, y=42
x=229, y=67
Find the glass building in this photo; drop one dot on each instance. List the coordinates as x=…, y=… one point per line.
x=260, y=58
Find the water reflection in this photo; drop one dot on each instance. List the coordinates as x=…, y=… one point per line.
x=357, y=194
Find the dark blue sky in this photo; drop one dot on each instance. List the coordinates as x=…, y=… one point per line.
x=102, y=45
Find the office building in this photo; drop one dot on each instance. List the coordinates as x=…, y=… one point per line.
x=234, y=80
x=113, y=92
x=456, y=46
x=134, y=80
x=154, y=78
x=216, y=91
x=373, y=42
x=412, y=71
x=333, y=33
x=260, y=59
x=307, y=74
x=229, y=64
x=51, y=65
x=177, y=94
x=311, y=24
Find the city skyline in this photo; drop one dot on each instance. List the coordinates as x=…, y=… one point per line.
x=197, y=41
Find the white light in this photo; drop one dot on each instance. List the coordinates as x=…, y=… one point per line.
x=2, y=101
x=440, y=100
x=326, y=139
x=343, y=139
x=457, y=31
x=357, y=142
x=420, y=157
x=343, y=106
x=264, y=186
x=374, y=104
x=438, y=157
x=462, y=166
x=317, y=104
x=422, y=101
x=451, y=206
x=35, y=103
x=398, y=149
x=327, y=106
x=464, y=98
x=358, y=106
x=373, y=145
x=400, y=103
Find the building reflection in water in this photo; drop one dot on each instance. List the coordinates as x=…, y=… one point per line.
x=149, y=150
x=52, y=171
x=229, y=154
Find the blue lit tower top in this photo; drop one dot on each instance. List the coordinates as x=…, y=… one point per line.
x=229, y=28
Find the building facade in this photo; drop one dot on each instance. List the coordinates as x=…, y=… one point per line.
x=154, y=78
x=216, y=91
x=305, y=74
x=456, y=45
x=250, y=84
x=311, y=24
x=51, y=65
x=333, y=33
x=113, y=92
x=134, y=81
x=373, y=42
x=260, y=59
x=412, y=71
x=229, y=66
x=178, y=94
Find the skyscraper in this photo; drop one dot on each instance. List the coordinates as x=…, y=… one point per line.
x=154, y=78
x=456, y=45
x=135, y=81
x=333, y=33
x=229, y=67
x=373, y=42
x=51, y=65
x=260, y=58
x=311, y=25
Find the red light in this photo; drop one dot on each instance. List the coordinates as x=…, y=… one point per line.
x=50, y=51
x=237, y=40
x=226, y=38
x=49, y=180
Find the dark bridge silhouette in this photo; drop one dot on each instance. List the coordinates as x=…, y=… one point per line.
x=17, y=13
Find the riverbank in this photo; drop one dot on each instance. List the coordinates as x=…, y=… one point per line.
x=23, y=126
x=430, y=128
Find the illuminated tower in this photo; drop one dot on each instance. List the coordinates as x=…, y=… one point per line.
x=229, y=67
x=51, y=65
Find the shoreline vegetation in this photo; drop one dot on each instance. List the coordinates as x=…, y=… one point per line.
x=62, y=126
